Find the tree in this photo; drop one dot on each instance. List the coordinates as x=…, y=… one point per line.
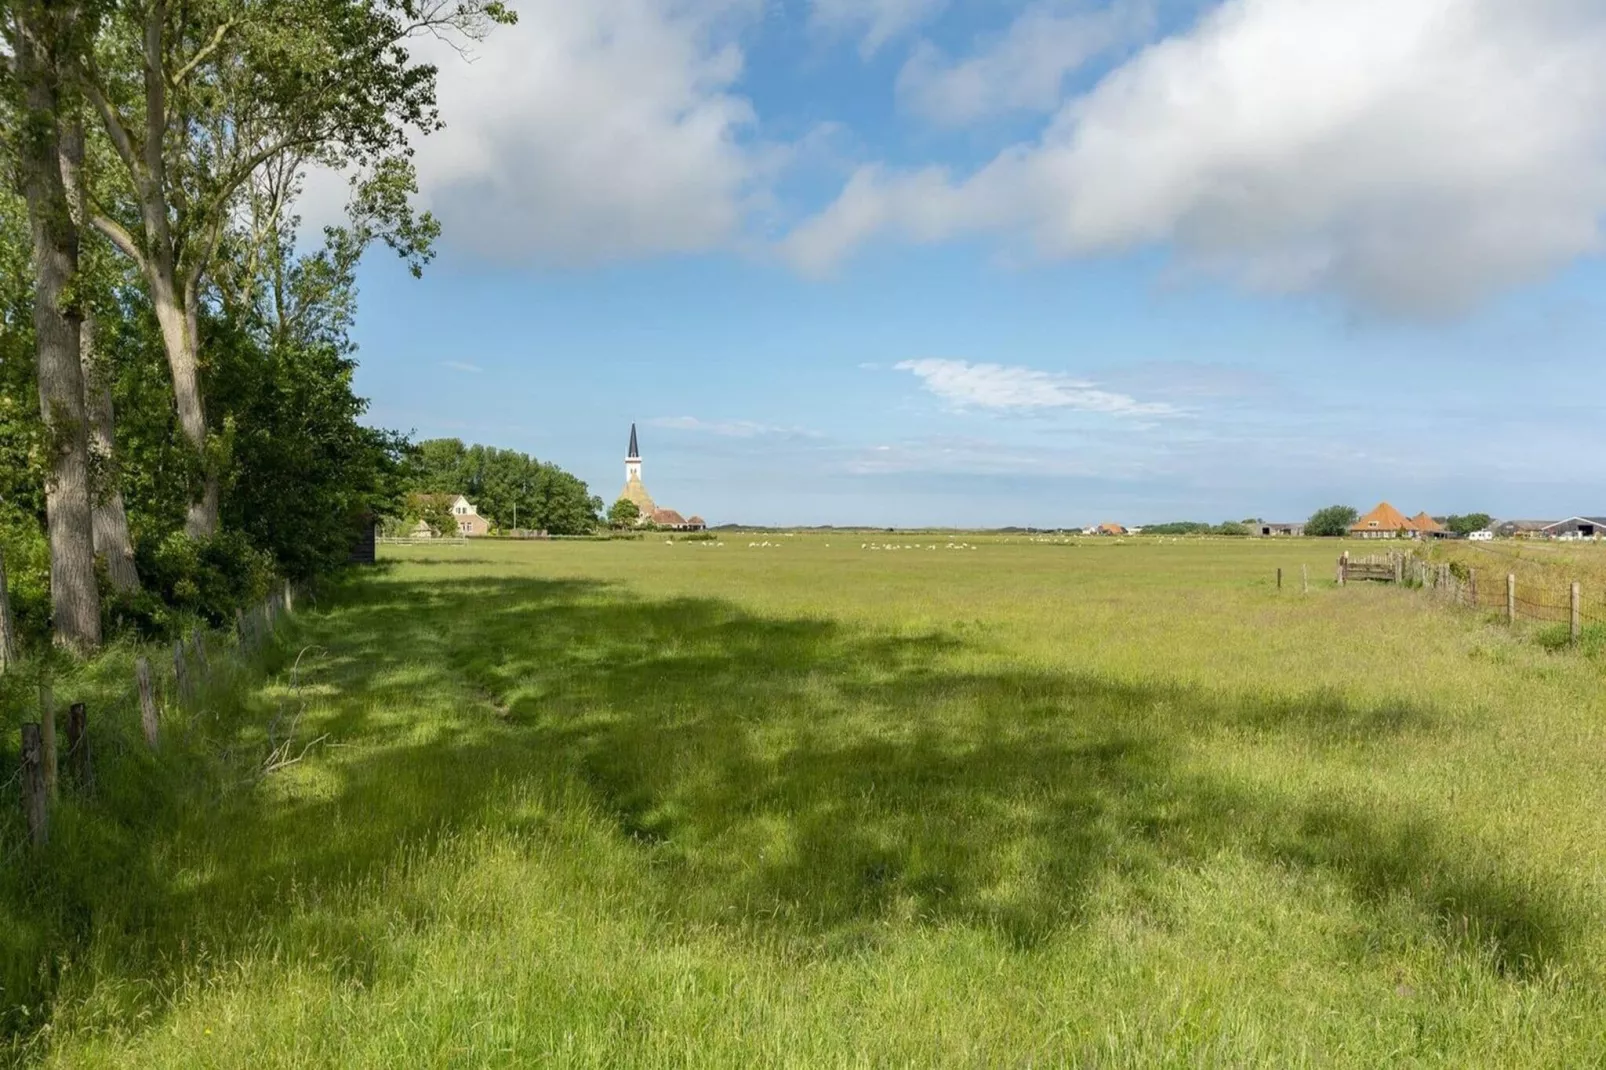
x=41, y=38
x=1334, y=520
x=213, y=109
x=1231, y=527
x=624, y=513
x=1466, y=525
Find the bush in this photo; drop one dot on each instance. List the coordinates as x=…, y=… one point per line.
x=205, y=578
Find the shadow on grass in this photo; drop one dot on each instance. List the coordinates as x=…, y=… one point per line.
x=814, y=783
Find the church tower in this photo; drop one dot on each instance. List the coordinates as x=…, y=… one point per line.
x=635, y=490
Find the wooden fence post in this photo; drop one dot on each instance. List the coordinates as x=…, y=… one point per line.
x=1578, y=622
x=239, y=627
x=147, y=700
x=198, y=649
x=1511, y=598
x=78, y=746
x=1279, y=579
x=1304, y=571
x=1472, y=587
x=1343, y=560
x=47, y=737
x=289, y=598
x=1399, y=568
x=181, y=672
x=35, y=802
x=8, y=628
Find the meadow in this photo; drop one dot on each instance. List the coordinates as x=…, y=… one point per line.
x=1116, y=802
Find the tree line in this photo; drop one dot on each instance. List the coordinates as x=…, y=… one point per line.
x=510, y=489
x=177, y=419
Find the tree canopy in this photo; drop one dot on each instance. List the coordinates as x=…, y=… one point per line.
x=1466, y=525
x=508, y=487
x=1331, y=521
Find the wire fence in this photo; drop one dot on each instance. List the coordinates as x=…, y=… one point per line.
x=1519, y=596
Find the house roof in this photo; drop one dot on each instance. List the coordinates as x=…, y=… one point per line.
x=635, y=453
x=697, y=520
x=1384, y=518
x=667, y=518
x=1423, y=522
x=1569, y=520
x=1111, y=529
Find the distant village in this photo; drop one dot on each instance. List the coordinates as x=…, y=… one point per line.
x=1387, y=522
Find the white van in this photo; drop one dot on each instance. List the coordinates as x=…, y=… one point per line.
x=1482, y=536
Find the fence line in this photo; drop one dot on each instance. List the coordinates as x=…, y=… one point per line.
x=1519, y=599
x=193, y=672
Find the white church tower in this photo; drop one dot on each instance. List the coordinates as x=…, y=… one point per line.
x=635, y=490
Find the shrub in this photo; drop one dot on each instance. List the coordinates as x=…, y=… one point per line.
x=206, y=578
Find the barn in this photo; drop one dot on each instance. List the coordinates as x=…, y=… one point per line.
x=1577, y=527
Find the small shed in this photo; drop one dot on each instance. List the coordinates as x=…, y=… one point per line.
x=1268, y=531
x=362, y=540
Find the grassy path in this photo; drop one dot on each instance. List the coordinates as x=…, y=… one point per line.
x=812, y=805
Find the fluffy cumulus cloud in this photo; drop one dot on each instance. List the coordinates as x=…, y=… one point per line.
x=595, y=131
x=876, y=22
x=1411, y=156
x=1004, y=388
x=1024, y=68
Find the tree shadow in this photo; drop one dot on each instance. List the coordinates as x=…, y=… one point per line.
x=811, y=782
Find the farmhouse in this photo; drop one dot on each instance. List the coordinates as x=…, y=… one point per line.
x=467, y=515
x=1576, y=527
x=1109, y=529
x=1266, y=530
x=1387, y=522
x=1384, y=522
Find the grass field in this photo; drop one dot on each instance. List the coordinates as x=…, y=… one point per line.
x=1101, y=802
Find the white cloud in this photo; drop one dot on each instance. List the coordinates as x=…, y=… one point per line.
x=1411, y=156
x=1023, y=69
x=879, y=21
x=461, y=366
x=997, y=386
x=593, y=131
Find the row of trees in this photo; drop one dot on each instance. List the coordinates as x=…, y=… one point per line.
x=195, y=425
x=510, y=489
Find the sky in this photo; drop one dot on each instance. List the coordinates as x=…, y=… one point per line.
x=1053, y=262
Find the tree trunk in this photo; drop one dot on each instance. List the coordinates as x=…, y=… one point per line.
x=108, y=517
x=180, y=337
x=75, y=598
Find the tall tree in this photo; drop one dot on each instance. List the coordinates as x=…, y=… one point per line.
x=109, y=517
x=42, y=37
x=198, y=98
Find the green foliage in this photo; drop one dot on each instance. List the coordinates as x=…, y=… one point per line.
x=623, y=513
x=205, y=578
x=1334, y=520
x=1180, y=527
x=505, y=485
x=1466, y=525
x=1230, y=527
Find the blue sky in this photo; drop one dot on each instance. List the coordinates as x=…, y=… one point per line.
x=975, y=262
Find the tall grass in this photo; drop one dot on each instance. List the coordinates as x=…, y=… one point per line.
x=1114, y=803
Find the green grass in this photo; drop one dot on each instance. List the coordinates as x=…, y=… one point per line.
x=1100, y=802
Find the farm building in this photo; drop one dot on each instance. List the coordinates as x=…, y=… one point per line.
x=1428, y=528
x=1266, y=530
x=1384, y=522
x=1109, y=529
x=1387, y=522
x=1521, y=529
x=1576, y=527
